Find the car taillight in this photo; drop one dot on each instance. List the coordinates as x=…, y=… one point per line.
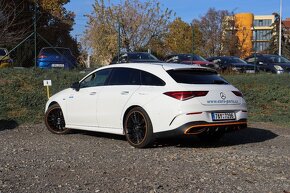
x=185, y=95
x=42, y=56
x=238, y=93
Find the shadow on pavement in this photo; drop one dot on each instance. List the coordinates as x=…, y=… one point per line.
x=8, y=125
x=99, y=134
x=246, y=136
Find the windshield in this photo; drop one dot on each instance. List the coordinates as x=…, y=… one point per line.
x=196, y=76
x=56, y=51
x=141, y=56
x=191, y=57
x=235, y=60
x=276, y=59
x=2, y=52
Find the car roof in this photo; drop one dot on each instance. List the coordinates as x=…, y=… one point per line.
x=224, y=57
x=55, y=48
x=181, y=55
x=165, y=66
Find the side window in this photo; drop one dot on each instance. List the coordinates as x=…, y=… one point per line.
x=151, y=80
x=124, y=58
x=98, y=78
x=125, y=76
x=169, y=60
x=251, y=60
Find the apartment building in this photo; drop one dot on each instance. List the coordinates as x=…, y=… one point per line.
x=262, y=31
x=253, y=31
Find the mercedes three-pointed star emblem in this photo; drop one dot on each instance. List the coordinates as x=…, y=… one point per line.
x=223, y=96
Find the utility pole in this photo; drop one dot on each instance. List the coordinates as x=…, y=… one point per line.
x=35, y=33
x=192, y=28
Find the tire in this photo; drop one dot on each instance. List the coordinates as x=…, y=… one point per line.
x=138, y=128
x=54, y=120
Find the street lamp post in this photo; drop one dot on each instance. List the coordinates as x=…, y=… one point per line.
x=280, y=30
x=119, y=40
x=255, y=46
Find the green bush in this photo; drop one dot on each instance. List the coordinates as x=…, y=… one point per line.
x=23, y=96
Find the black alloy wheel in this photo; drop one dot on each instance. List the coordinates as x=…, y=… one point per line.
x=54, y=120
x=138, y=128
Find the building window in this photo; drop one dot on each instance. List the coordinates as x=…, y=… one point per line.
x=261, y=46
x=262, y=22
x=262, y=35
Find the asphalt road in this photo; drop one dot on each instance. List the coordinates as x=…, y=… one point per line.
x=34, y=160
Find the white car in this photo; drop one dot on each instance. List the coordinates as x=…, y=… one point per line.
x=148, y=101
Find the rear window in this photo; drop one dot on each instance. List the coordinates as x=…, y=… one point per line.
x=194, y=76
x=56, y=51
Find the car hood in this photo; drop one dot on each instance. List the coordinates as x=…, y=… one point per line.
x=281, y=64
x=242, y=65
x=285, y=66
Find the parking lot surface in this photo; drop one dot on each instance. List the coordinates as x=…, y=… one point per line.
x=34, y=160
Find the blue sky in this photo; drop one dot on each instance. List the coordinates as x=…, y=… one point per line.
x=188, y=9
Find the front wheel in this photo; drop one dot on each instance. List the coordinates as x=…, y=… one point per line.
x=54, y=120
x=138, y=128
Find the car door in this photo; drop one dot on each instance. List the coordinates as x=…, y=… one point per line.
x=112, y=100
x=82, y=104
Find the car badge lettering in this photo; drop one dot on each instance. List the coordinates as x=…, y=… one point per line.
x=223, y=96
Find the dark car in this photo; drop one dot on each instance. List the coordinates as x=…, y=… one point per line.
x=232, y=63
x=270, y=63
x=56, y=58
x=135, y=57
x=189, y=59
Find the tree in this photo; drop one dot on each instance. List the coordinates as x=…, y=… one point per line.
x=140, y=23
x=211, y=28
x=54, y=24
x=231, y=45
x=179, y=38
x=274, y=42
x=10, y=20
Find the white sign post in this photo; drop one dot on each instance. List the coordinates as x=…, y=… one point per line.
x=47, y=83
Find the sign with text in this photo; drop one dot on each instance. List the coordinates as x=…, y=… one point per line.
x=47, y=83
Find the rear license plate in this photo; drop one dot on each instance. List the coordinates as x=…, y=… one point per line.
x=223, y=116
x=57, y=65
x=250, y=71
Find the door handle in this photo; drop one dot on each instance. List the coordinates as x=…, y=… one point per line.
x=93, y=93
x=124, y=92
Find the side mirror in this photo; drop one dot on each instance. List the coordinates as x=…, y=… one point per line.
x=76, y=86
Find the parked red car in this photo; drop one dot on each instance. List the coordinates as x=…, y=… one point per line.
x=190, y=59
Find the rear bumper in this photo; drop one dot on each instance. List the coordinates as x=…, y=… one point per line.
x=199, y=127
x=48, y=64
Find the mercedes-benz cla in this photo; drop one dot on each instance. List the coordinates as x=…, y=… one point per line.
x=148, y=101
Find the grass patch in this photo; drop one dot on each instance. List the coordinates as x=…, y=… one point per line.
x=23, y=96
x=267, y=96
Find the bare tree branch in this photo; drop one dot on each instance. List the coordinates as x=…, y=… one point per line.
x=12, y=28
